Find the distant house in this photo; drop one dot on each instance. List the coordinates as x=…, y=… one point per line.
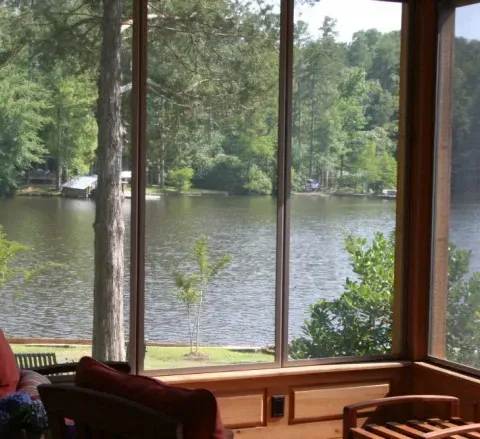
x=80, y=187
x=389, y=193
x=126, y=177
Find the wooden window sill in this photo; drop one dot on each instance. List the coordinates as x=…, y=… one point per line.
x=211, y=377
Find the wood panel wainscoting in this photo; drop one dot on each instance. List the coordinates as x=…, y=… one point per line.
x=314, y=396
x=429, y=378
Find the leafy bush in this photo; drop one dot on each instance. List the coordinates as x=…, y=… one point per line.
x=345, y=190
x=233, y=175
x=226, y=173
x=298, y=181
x=258, y=182
x=359, y=322
x=181, y=178
x=463, y=310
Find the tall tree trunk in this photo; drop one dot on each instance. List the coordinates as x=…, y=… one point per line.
x=108, y=330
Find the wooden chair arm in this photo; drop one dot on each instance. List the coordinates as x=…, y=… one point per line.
x=452, y=431
x=350, y=412
x=121, y=366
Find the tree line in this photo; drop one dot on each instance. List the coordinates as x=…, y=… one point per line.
x=213, y=97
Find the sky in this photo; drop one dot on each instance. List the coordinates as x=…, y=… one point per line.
x=355, y=15
x=467, y=22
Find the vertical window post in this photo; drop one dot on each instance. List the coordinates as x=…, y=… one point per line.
x=401, y=205
x=139, y=125
x=284, y=176
x=443, y=153
x=423, y=70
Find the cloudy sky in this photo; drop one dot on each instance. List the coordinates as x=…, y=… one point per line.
x=354, y=15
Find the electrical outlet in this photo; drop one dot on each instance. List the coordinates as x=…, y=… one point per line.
x=278, y=406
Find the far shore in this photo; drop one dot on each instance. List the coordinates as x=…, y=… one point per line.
x=155, y=193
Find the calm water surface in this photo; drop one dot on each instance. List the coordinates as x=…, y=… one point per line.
x=239, y=308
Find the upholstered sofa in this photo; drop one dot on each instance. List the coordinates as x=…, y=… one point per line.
x=195, y=409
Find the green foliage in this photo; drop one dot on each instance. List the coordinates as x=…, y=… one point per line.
x=225, y=173
x=463, y=310
x=72, y=133
x=23, y=105
x=258, y=181
x=379, y=171
x=359, y=321
x=213, y=96
x=233, y=175
x=298, y=181
x=181, y=178
x=192, y=281
x=8, y=251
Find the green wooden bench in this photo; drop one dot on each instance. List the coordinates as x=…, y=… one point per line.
x=34, y=361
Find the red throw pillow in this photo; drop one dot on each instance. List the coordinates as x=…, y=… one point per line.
x=9, y=371
x=196, y=410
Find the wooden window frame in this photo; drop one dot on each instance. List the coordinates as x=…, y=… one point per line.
x=410, y=213
x=421, y=106
x=442, y=180
x=442, y=197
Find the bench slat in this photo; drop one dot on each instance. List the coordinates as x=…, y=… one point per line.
x=364, y=434
x=386, y=432
x=406, y=429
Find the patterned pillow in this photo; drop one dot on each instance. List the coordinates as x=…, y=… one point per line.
x=29, y=381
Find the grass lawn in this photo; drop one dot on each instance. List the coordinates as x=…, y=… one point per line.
x=38, y=189
x=156, y=357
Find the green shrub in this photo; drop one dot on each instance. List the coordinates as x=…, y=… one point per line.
x=298, y=181
x=345, y=190
x=359, y=322
x=181, y=178
x=258, y=182
x=226, y=173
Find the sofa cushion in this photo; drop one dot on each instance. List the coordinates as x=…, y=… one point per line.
x=29, y=381
x=9, y=371
x=196, y=410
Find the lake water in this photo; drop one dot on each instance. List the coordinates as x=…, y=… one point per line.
x=239, y=307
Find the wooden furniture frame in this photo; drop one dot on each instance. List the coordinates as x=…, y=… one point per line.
x=97, y=414
x=431, y=428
